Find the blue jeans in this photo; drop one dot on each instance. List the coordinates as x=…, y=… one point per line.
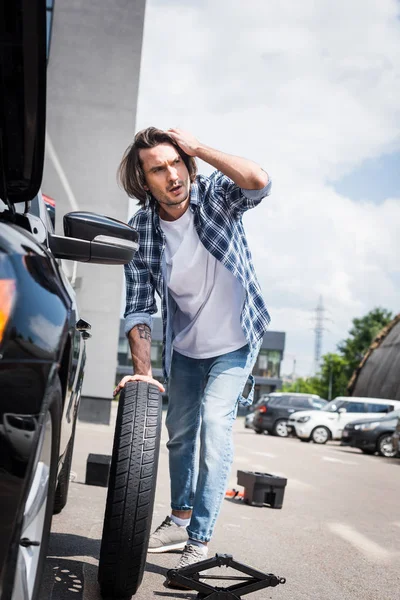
x=202, y=406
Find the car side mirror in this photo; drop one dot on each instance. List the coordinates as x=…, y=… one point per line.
x=90, y=237
x=341, y=411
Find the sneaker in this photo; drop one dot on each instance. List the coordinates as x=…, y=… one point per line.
x=167, y=537
x=191, y=554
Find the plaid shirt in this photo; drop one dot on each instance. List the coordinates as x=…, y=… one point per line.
x=218, y=205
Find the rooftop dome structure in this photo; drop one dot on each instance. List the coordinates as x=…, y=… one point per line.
x=378, y=374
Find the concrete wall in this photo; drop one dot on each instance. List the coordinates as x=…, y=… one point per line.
x=93, y=78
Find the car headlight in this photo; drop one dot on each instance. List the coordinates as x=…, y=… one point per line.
x=367, y=426
x=303, y=419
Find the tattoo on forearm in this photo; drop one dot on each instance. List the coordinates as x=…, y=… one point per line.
x=144, y=332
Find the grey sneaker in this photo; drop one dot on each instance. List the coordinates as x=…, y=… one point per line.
x=168, y=536
x=191, y=554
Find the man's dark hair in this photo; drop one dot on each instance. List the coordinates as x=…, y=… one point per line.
x=130, y=171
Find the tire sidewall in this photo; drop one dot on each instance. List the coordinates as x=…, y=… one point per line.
x=276, y=425
x=328, y=436
x=380, y=442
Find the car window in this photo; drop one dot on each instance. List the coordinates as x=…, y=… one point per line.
x=380, y=408
x=298, y=402
x=316, y=403
x=354, y=407
x=274, y=401
x=333, y=405
x=263, y=399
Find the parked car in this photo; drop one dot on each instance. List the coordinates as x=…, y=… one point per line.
x=396, y=438
x=372, y=436
x=328, y=423
x=42, y=337
x=273, y=414
x=249, y=418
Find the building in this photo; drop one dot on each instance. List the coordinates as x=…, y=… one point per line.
x=92, y=88
x=267, y=371
x=378, y=374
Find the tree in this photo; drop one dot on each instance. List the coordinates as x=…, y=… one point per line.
x=337, y=368
x=332, y=378
x=302, y=386
x=360, y=337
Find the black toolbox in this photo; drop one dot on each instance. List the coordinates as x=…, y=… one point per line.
x=262, y=488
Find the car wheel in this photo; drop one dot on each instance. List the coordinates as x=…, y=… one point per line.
x=131, y=490
x=61, y=494
x=280, y=428
x=385, y=446
x=320, y=435
x=258, y=430
x=38, y=509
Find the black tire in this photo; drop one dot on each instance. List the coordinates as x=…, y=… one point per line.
x=385, y=446
x=279, y=430
x=131, y=491
x=320, y=434
x=258, y=430
x=61, y=495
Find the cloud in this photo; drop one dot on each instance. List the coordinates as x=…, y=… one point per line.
x=309, y=90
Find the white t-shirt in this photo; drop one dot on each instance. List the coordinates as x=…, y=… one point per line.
x=208, y=296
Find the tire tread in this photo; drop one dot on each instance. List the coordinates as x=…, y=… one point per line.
x=131, y=491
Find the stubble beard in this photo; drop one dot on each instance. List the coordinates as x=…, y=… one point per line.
x=167, y=201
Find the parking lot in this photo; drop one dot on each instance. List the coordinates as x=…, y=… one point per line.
x=337, y=536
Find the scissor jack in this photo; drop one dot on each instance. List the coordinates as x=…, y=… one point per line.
x=189, y=577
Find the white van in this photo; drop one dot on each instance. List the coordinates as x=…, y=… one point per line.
x=328, y=423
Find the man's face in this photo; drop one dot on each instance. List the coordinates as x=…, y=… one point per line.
x=167, y=178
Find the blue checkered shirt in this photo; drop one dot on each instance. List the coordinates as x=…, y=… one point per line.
x=218, y=205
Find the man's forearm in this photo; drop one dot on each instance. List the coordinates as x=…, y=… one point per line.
x=140, y=345
x=245, y=173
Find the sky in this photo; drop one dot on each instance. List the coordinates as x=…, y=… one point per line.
x=310, y=90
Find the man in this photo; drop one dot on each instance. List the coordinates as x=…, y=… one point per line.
x=194, y=254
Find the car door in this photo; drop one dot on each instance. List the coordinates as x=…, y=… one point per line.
x=354, y=410
x=72, y=357
x=283, y=408
x=297, y=403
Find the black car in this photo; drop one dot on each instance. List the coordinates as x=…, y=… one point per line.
x=273, y=414
x=396, y=438
x=42, y=337
x=372, y=436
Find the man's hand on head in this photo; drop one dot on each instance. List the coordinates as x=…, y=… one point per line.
x=185, y=140
x=145, y=378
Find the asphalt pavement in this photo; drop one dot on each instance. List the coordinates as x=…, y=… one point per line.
x=337, y=536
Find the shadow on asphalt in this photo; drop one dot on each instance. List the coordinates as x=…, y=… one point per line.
x=69, y=544
x=152, y=568
x=64, y=578
x=185, y=595
x=355, y=451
